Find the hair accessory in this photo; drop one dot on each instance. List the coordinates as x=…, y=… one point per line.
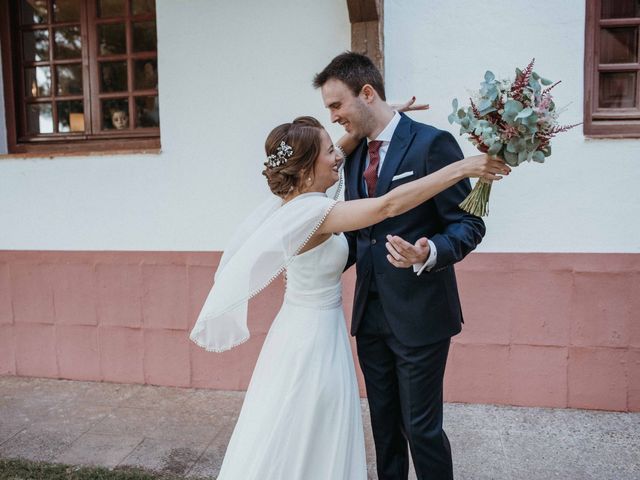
x=283, y=153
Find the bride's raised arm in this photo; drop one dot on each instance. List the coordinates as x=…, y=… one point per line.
x=357, y=214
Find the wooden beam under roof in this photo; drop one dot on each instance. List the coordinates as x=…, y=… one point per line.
x=367, y=32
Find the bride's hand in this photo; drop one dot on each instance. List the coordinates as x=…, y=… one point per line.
x=485, y=166
x=409, y=106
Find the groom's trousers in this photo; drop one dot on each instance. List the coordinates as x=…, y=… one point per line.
x=404, y=389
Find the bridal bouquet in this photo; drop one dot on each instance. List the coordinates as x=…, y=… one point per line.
x=512, y=120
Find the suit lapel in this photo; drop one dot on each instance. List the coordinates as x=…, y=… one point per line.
x=397, y=149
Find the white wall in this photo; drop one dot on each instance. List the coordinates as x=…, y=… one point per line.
x=586, y=198
x=251, y=63
x=229, y=72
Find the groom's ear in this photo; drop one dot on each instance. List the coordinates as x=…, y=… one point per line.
x=368, y=93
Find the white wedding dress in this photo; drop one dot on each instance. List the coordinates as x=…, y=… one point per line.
x=301, y=417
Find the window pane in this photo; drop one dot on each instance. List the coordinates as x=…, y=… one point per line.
x=69, y=79
x=115, y=114
x=143, y=6
x=70, y=116
x=36, y=45
x=620, y=8
x=33, y=11
x=146, y=74
x=112, y=39
x=147, y=112
x=37, y=81
x=144, y=36
x=619, y=45
x=617, y=90
x=68, y=43
x=39, y=118
x=110, y=8
x=113, y=77
x=66, y=10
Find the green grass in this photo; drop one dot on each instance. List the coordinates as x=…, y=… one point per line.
x=28, y=470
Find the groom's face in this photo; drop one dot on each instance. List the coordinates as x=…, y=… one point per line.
x=347, y=109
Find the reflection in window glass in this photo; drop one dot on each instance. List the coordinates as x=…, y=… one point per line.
x=143, y=6
x=147, y=112
x=69, y=78
x=35, y=45
x=70, y=116
x=115, y=114
x=617, y=90
x=144, y=36
x=620, y=8
x=110, y=8
x=112, y=39
x=66, y=10
x=39, y=118
x=619, y=45
x=33, y=11
x=146, y=74
x=37, y=81
x=68, y=43
x=113, y=76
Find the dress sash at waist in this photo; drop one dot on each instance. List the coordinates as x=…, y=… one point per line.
x=325, y=298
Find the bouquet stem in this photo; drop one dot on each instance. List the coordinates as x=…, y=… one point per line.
x=477, y=202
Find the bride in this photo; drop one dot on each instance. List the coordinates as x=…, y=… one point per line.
x=301, y=417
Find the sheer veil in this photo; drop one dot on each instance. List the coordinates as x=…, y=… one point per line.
x=258, y=252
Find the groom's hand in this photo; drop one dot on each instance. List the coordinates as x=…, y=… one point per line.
x=404, y=255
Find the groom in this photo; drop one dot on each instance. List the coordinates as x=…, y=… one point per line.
x=406, y=306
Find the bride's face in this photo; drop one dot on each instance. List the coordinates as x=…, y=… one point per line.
x=327, y=165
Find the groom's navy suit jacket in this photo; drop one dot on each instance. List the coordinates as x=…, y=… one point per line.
x=420, y=309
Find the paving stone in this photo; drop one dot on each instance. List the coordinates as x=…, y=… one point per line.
x=540, y=457
x=159, y=397
x=39, y=444
x=8, y=430
x=103, y=450
x=209, y=463
x=226, y=403
x=469, y=416
x=158, y=424
x=166, y=456
x=477, y=454
x=186, y=431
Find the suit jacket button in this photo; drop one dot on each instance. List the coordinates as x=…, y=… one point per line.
x=373, y=242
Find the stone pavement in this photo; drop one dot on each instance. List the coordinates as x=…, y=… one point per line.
x=185, y=431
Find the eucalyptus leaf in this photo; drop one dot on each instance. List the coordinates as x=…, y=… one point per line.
x=538, y=156
x=495, y=148
x=484, y=104
x=525, y=113
x=510, y=158
x=522, y=157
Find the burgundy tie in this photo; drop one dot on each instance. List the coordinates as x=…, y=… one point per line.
x=371, y=173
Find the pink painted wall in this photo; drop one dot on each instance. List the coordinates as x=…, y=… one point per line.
x=557, y=330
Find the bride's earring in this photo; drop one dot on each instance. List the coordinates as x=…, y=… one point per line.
x=309, y=181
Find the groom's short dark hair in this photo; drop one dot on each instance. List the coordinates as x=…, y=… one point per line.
x=355, y=71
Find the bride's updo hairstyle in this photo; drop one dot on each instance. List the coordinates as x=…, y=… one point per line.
x=303, y=136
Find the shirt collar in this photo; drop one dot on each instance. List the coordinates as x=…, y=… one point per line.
x=387, y=133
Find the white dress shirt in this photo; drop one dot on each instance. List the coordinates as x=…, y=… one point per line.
x=385, y=137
